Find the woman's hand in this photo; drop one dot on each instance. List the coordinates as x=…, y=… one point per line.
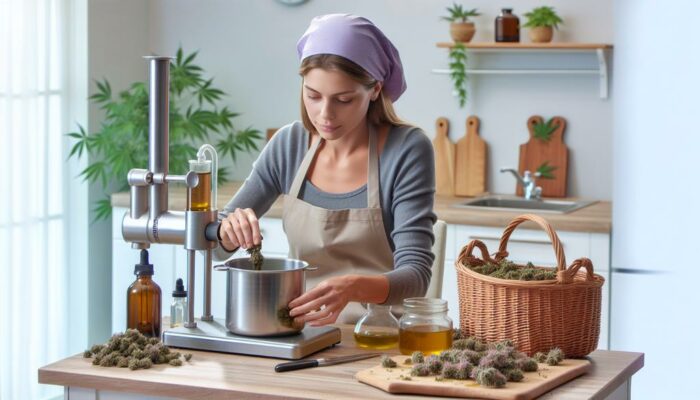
x=240, y=229
x=322, y=305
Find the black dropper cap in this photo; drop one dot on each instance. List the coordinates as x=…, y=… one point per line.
x=179, y=289
x=143, y=268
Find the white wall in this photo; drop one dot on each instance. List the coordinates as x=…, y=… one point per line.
x=655, y=196
x=249, y=47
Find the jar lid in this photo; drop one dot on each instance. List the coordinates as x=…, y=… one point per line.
x=424, y=304
x=200, y=166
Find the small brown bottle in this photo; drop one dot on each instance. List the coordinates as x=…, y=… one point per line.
x=507, y=26
x=143, y=300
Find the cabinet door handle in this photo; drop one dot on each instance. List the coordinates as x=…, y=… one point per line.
x=511, y=240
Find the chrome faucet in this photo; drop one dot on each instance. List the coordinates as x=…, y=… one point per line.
x=530, y=191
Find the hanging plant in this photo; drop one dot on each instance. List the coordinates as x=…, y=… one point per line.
x=195, y=118
x=458, y=72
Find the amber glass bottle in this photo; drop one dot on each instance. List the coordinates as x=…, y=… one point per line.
x=507, y=26
x=143, y=300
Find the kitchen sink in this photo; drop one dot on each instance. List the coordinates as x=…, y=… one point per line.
x=507, y=203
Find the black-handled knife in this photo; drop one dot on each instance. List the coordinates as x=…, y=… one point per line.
x=321, y=362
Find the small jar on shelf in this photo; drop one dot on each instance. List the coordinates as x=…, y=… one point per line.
x=507, y=26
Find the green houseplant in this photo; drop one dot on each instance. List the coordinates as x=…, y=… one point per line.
x=461, y=29
x=542, y=21
x=458, y=71
x=122, y=141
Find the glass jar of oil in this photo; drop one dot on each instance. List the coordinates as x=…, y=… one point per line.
x=378, y=329
x=199, y=197
x=425, y=326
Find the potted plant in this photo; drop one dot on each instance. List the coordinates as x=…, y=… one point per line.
x=461, y=29
x=541, y=21
x=121, y=142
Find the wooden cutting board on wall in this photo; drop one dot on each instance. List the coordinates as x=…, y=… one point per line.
x=553, y=152
x=470, y=161
x=444, y=158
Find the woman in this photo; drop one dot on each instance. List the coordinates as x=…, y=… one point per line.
x=358, y=183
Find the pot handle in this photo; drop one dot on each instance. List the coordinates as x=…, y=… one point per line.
x=221, y=267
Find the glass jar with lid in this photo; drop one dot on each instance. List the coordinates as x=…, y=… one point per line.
x=425, y=326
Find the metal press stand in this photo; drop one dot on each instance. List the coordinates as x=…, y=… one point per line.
x=149, y=221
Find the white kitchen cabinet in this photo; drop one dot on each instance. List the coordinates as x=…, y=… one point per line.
x=524, y=245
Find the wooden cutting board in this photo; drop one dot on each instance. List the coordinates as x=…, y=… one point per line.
x=444, y=158
x=470, y=161
x=533, y=385
x=536, y=152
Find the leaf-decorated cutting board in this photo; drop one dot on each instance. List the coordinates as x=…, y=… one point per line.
x=470, y=161
x=546, y=153
x=444, y=158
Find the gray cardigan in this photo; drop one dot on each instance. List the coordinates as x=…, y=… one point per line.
x=407, y=188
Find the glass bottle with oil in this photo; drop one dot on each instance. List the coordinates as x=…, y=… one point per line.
x=199, y=197
x=143, y=300
x=378, y=329
x=425, y=326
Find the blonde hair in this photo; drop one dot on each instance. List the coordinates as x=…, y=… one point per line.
x=380, y=111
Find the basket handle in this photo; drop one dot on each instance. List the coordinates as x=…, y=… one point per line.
x=467, y=250
x=567, y=276
x=556, y=243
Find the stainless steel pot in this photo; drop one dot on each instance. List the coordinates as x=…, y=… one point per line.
x=256, y=300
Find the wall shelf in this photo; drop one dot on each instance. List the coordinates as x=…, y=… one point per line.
x=598, y=49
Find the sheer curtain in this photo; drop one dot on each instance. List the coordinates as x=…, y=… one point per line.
x=34, y=298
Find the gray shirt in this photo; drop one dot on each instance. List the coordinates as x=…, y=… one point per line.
x=407, y=189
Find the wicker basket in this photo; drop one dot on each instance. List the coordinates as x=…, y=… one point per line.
x=537, y=315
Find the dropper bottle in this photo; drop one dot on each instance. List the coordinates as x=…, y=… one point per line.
x=143, y=300
x=179, y=305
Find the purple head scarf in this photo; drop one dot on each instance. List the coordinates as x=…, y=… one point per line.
x=361, y=42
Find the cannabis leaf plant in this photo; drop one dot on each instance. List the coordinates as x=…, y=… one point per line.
x=122, y=140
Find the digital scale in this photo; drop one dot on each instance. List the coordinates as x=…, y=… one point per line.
x=213, y=336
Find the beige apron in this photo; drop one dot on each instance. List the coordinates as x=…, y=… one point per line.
x=338, y=242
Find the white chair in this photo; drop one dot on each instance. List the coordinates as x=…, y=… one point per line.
x=435, y=287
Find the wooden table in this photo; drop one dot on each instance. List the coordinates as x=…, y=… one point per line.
x=226, y=376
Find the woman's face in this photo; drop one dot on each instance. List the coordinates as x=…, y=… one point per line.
x=335, y=103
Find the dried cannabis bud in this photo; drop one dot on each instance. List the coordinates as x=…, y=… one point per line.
x=540, y=357
x=506, y=269
x=420, y=370
x=417, y=357
x=133, y=350
x=527, y=364
x=387, y=362
x=256, y=257
x=284, y=318
x=489, y=377
x=555, y=356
